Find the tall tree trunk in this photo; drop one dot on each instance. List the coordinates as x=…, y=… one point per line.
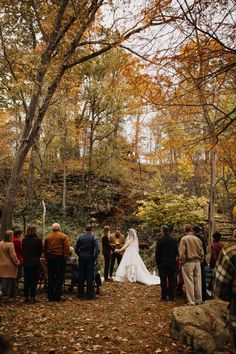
x=137, y=136
x=90, y=165
x=212, y=196
x=31, y=176
x=212, y=139
x=83, y=158
x=10, y=199
x=50, y=160
x=44, y=218
x=64, y=184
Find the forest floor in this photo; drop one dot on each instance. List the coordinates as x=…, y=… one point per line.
x=125, y=318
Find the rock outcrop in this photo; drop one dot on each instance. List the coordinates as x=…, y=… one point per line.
x=203, y=327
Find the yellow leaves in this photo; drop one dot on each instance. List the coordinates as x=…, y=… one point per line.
x=185, y=168
x=74, y=91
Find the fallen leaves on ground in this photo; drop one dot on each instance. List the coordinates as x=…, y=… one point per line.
x=126, y=318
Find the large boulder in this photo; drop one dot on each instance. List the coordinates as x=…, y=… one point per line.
x=203, y=327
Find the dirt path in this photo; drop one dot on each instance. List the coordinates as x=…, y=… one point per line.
x=127, y=318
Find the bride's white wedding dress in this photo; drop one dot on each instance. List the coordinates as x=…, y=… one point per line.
x=132, y=268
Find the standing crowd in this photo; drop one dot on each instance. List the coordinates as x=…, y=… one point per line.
x=178, y=265
x=191, y=258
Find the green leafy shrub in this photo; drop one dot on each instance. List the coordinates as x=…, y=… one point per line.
x=170, y=209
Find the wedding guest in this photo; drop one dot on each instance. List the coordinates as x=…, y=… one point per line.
x=224, y=284
x=216, y=248
x=117, y=241
x=18, y=249
x=32, y=250
x=197, y=232
x=56, y=251
x=166, y=255
x=87, y=248
x=8, y=266
x=106, y=251
x=191, y=254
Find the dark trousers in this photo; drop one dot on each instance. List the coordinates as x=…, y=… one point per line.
x=107, y=260
x=56, y=275
x=234, y=339
x=167, y=275
x=204, y=294
x=86, y=273
x=9, y=287
x=114, y=256
x=31, y=275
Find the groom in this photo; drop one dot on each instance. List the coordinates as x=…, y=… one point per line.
x=117, y=241
x=166, y=254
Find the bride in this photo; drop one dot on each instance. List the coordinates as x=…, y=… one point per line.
x=131, y=267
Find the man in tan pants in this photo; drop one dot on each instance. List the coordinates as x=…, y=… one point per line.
x=191, y=254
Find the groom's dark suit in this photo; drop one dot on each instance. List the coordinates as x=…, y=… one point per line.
x=166, y=254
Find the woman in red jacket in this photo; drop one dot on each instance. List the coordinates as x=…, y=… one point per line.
x=216, y=247
x=19, y=251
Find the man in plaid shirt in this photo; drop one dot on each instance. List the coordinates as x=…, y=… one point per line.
x=225, y=282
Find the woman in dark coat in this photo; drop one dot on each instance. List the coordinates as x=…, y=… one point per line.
x=32, y=250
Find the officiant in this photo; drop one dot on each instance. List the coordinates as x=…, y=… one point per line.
x=117, y=241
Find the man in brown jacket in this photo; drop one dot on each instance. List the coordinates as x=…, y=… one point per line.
x=56, y=251
x=191, y=254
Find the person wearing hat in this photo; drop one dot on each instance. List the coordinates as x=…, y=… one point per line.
x=56, y=251
x=224, y=283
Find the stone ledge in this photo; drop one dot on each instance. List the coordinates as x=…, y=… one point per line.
x=203, y=327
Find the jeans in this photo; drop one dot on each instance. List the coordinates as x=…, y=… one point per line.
x=86, y=273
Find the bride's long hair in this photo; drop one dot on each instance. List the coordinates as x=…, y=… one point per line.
x=132, y=235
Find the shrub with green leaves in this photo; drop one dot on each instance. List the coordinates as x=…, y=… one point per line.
x=170, y=209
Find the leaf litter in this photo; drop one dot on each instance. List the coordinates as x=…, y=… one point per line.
x=127, y=318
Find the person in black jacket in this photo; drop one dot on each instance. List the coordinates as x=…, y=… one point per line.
x=32, y=251
x=87, y=248
x=166, y=254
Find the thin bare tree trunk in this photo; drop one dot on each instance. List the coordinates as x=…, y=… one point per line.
x=10, y=199
x=90, y=165
x=43, y=218
x=212, y=211
x=137, y=136
x=31, y=176
x=64, y=184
